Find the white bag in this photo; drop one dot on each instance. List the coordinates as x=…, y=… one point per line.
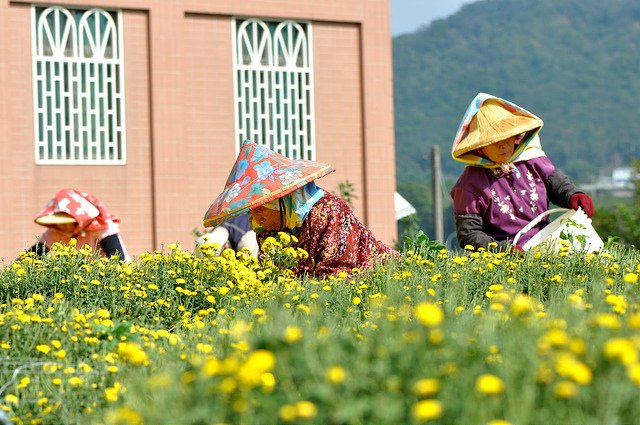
x=220, y=237
x=573, y=227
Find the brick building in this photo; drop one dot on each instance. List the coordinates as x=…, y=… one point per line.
x=144, y=103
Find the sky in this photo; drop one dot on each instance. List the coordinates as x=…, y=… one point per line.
x=409, y=15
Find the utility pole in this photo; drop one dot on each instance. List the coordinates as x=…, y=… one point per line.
x=438, y=229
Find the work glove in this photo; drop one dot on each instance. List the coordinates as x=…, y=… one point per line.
x=583, y=201
x=516, y=249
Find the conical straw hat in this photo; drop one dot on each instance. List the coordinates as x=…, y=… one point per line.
x=260, y=176
x=495, y=120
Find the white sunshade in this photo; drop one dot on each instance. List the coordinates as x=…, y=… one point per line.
x=402, y=206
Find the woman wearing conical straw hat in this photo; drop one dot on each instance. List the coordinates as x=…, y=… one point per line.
x=79, y=215
x=508, y=180
x=281, y=195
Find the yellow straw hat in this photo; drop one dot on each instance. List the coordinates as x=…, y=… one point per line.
x=494, y=122
x=55, y=218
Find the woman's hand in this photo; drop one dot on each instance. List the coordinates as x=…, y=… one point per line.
x=582, y=200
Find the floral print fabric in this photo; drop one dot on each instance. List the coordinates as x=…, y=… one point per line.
x=506, y=201
x=335, y=240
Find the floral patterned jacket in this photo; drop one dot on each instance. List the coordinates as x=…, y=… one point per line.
x=335, y=240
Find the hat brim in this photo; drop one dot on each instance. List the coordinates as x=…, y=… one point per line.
x=221, y=217
x=470, y=144
x=490, y=119
x=258, y=176
x=53, y=219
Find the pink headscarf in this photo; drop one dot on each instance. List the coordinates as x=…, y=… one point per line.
x=86, y=210
x=95, y=222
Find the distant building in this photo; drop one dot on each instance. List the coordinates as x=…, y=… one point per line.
x=621, y=183
x=145, y=102
x=623, y=177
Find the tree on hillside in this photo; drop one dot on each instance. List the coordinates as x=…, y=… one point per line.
x=574, y=63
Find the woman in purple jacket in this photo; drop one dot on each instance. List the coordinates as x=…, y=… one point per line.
x=508, y=180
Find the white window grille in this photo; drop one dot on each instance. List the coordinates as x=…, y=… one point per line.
x=78, y=85
x=274, y=85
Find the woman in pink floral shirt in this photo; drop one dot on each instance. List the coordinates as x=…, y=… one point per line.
x=281, y=195
x=508, y=180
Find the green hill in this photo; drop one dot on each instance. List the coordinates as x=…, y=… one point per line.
x=574, y=63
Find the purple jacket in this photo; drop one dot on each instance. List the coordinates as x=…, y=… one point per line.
x=506, y=202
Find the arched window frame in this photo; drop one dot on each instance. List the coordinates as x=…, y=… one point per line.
x=273, y=85
x=78, y=86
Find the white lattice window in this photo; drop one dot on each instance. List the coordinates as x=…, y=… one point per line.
x=274, y=85
x=78, y=85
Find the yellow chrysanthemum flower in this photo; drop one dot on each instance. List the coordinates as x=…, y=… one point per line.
x=568, y=366
x=75, y=381
x=43, y=348
x=633, y=372
x=288, y=413
x=630, y=278
x=565, y=389
x=633, y=321
x=24, y=383
x=111, y=393
x=132, y=353
x=335, y=375
x=426, y=387
x=125, y=415
x=11, y=399
x=427, y=410
x=489, y=384
x=293, y=334
x=607, y=321
x=429, y=314
x=306, y=410
x=621, y=349
x=523, y=304
x=258, y=362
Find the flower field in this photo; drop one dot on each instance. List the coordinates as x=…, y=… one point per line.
x=433, y=337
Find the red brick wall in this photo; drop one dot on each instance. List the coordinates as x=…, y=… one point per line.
x=338, y=101
x=126, y=190
x=209, y=111
x=180, y=117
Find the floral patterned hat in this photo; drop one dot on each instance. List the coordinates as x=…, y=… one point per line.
x=489, y=119
x=260, y=176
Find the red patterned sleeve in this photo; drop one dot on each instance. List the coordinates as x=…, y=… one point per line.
x=336, y=240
